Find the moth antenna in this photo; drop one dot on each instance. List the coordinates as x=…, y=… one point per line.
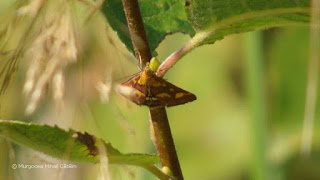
x=127, y=77
x=140, y=62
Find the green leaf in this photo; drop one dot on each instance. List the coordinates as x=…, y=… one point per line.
x=209, y=20
x=160, y=18
x=69, y=145
x=218, y=18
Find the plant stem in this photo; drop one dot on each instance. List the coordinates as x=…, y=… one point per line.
x=256, y=100
x=158, y=116
x=164, y=141
x=137, y=31
x=176, y=56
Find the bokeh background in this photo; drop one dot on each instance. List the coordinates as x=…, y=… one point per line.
x=214, y=135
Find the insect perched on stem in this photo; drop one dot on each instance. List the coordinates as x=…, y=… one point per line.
x=150, y=90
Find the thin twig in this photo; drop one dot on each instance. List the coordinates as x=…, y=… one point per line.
x=203, y=35
x=176, y=56
x=159, y=121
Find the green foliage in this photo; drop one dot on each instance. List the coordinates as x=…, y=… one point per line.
x=289, y=74
x=221, y=18
x=160, y=17
x=216, y=18
x=63, y=144
x=202, y=14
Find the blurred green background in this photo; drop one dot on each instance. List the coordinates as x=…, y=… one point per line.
x=214, y=135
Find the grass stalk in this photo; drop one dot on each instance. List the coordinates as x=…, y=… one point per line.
x=256, y=101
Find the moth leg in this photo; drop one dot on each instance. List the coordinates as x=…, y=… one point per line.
x=149, y=96
x=148, y=92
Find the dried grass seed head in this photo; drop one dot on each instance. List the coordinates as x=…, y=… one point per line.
x=51, y=52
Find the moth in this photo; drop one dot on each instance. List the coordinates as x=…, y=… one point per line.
x=150, y=90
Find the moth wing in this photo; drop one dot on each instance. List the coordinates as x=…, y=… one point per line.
x=133, y=91
x=168, y=94
x=150, y=90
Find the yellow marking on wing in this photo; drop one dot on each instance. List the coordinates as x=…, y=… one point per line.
x=147, y=79
x=155, y=83
x=143, y=78
x=163, y=95
x=139, y=93
x=152, y=98
x=179, y=95
x=171, y=89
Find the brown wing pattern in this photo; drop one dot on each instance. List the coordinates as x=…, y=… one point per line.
x=139, y=91
x=169, y=94
x=152, y=91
